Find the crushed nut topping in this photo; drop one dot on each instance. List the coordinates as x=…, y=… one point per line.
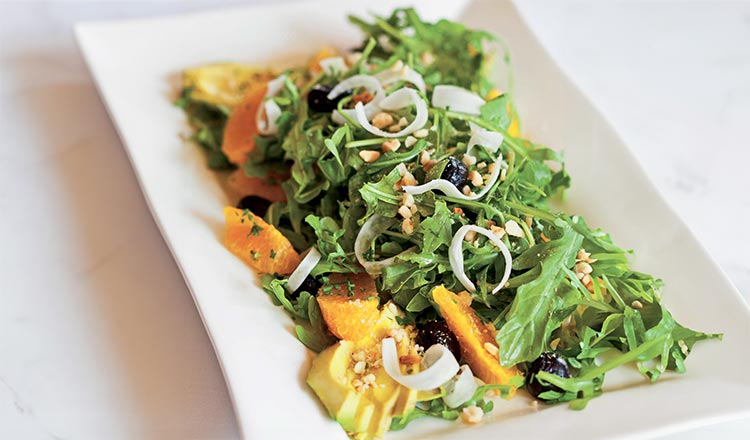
x=369, y=156
x=469, y=160
x=475, y=178
x=472, y=415
x=404, y=211
x=409, y=141
x=382, y=120
x=512, y=228
x=407, y=226
x=421, y=133
x=391, y=145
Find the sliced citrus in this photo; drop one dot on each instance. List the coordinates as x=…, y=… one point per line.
x=477, y=340
x=349, y=305
x=258, y=244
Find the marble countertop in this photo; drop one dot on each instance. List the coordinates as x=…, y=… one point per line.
x=98, y=333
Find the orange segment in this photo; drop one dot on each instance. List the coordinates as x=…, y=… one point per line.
x=325, y=52
x=255, y=186
x=258, y=244
x=224, y=84
x=472, y=335
x=349, y=305
x=240, y=131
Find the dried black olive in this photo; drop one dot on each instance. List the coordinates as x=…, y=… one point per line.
x=436, y=332
x=450, y=169
x=317, y=99
x=549, y=362
x=256, y=205
x=309, y=285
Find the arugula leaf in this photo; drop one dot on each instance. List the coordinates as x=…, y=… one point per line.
x=524, y=336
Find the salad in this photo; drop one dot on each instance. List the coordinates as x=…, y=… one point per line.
x=397, y=212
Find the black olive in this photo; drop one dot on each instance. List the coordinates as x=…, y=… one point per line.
x=309, y=285
x=317, y=99
x=436, y=332
x=548, y=362
x=455, y=172
x=256, y=205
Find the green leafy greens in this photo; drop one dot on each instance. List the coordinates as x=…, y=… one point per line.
x=571, y=288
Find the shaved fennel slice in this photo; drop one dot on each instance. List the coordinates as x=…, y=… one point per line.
x=450, y=189
x=334, y=65
x=457, y=99
x=306, y=266
x=439, y=366
x=460, y=389
x=397, y=100
x=370, y=83
x=269, y=112
x=488, y=139
x=456, y=256
x=373, y=227
x=406, y=73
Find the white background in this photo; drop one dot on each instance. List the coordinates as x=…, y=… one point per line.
x=98, y=333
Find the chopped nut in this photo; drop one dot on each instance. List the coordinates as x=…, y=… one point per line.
x=369, y=379
x=481, y=164
x=421, y=133
x=427, y=58
x=529, y=221
x=407, y=226
x=470, y=236
x=413, y=209
x=408, y=179
x=584, y=268
x=424, y=157
x=491, y=167
x=401, y=169
x=407, y=200
x=356, y=383
x=398, y=65
x=359, y=356
x=404, y=211
x=409, y=141
x=636, y=304
x=466, y=190
x=475, y=178
x=403, y=122
x=491, y=348
x=472, y=415
x=497, y=231
x=503, y=174
x=369, y=155
x=469, y=160
x=586, y=280
x=382, y=120
x=360, y=367
x=395, y=128
x=512, y=228
x=391, y=145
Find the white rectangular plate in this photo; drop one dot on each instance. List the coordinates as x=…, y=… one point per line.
x=134, y=64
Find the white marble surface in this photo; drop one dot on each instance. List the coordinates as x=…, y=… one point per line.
x=98, y=334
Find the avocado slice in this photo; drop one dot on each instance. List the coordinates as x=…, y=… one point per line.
x=330, y=378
